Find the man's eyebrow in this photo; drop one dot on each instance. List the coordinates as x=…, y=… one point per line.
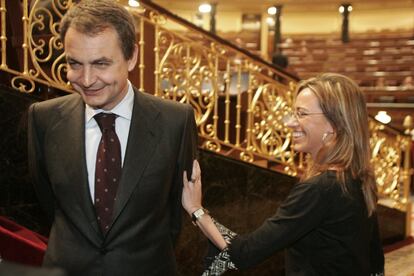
x=69, y=58
x=102, y=59
x=99, y=60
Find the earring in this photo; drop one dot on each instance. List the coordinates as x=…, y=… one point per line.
x=325, y=135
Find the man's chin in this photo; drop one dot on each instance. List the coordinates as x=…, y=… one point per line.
x=92, y=101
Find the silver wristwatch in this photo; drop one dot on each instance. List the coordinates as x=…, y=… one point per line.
x=197, y=214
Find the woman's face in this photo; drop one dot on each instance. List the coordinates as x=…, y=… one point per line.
x=310, y=128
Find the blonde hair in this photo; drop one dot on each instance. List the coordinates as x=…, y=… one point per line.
x=343, y=104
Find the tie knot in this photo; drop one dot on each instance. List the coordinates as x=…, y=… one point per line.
x=106, y=121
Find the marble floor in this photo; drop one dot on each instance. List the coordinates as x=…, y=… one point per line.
x=400, y=262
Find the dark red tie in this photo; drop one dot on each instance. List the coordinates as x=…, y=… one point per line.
x=108, y=169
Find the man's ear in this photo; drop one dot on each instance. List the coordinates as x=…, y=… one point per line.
x=133, y=60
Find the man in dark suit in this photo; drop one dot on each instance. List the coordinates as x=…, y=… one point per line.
x=157, y=140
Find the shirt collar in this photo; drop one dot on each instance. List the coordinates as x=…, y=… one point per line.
x=122, y=109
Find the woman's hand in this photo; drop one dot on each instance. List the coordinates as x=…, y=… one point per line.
x=191, y=200
x=191, y=197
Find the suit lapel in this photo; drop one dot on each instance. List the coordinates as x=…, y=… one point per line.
x=144, y=134
x=79, y=206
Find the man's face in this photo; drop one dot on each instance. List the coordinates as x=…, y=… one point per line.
x=97, y=68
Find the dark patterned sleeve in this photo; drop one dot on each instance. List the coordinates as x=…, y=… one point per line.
x=221, y=262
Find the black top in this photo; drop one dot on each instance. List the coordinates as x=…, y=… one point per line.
x=325, y=231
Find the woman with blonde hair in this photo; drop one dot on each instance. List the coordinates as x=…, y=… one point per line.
x=327, y=224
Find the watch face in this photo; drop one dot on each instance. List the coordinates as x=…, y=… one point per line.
x=198, y=213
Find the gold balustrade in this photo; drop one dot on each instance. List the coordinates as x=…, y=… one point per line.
x=239, y=99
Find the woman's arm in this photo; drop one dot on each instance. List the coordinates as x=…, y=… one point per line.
x=302, y=211
x=191, y=200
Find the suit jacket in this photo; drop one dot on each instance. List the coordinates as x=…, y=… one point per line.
x=147, y=214
x=14, y=269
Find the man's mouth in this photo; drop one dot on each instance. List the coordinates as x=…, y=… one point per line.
x=91, y=91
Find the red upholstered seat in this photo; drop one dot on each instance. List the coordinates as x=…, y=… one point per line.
x=21, y=245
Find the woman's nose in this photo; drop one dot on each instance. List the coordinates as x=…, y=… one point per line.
x=290, y=121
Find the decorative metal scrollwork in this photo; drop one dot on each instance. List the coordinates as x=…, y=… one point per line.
x=212, y=145
x=386, y=160
x=270, y=134
x=46, y=48
x=186, y=73
x=23, y=84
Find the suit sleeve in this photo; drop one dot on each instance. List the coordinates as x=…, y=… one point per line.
x=36, y=164
x=187, y=153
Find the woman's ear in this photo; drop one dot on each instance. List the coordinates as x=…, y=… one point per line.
x=326, y=134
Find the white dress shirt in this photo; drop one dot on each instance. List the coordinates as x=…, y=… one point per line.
x=93, y=133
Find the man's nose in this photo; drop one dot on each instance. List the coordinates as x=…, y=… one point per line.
x=88, y=77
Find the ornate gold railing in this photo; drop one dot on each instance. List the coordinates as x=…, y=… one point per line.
x=239, y=99
x=41, y=59
x=392, y=159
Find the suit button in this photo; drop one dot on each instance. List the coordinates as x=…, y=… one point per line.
x=103, y=250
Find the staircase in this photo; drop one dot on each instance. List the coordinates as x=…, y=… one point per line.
x=239, y=101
